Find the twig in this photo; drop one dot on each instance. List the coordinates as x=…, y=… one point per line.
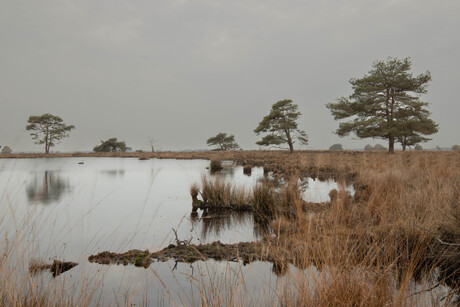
x=439, y=240
x=447, y=243
x=181, y=242
x=423, y=291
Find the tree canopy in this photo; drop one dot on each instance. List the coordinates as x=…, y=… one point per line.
x=281, y=126
x=222, y=141
x=386, y=104
x=111, y=145
x=48, y=129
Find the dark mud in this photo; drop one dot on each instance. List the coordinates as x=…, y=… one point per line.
x=57, y=268
x=210, y=207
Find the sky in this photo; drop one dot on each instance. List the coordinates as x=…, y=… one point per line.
x=179, y=72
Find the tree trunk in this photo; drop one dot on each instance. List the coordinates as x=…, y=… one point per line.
x=404, y=143
x=289, y=141
x=291, y=147
x=47, y=148
x=391, y=144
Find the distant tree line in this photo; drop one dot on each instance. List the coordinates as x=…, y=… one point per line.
x=385, y=104
x=376, y=147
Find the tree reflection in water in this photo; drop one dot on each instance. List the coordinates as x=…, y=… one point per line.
x=114, y=173
x=46, y=187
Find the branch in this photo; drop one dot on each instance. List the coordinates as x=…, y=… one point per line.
x=181, y=242
x=439, y=240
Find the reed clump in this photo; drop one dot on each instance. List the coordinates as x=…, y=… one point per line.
x=220, y=194
x=215, y=165
x=264, y=198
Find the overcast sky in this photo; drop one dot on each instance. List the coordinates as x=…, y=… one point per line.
x=182, y=71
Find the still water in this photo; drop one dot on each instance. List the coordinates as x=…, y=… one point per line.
x=70, y=208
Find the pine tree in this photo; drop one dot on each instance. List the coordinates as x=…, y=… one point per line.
x=281, y=126
x=386, y=104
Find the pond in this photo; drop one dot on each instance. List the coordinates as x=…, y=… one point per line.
x=70, y=208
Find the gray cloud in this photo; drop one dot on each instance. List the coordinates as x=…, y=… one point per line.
x=181, y=71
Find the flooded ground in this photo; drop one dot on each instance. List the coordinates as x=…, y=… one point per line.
x=70, y=208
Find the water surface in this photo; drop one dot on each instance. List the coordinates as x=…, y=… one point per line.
x=70, y=208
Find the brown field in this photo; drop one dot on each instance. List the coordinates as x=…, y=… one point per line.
x=402, y=225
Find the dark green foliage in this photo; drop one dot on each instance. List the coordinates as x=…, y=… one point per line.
x=456, y=147
x=111, y=145
x=336, y=147
x=385, y=104
x=281, y=126
x=413, y=127
x=222, y=141
x=48, y=129
x=418, y=147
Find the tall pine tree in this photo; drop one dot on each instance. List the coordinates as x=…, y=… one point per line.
x=386, y=104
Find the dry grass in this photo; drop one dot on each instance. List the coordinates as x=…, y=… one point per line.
x=402, y=224
x=219, y=193
x=263, y=198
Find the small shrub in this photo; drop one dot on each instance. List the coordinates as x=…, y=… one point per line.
x=368, y=147
x=379, y=147
x=6, y=150
x=336, y=147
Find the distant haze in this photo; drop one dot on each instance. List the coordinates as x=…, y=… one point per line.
x=182, y=71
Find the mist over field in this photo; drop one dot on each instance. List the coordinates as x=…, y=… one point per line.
x=179, y=72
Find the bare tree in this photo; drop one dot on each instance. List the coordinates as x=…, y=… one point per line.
x=152, y=141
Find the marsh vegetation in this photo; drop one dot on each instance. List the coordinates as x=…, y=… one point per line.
x=392, y=240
